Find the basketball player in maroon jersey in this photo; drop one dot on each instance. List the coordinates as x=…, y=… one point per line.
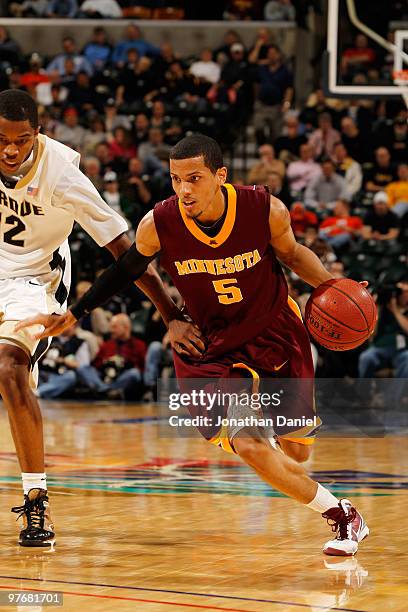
x=222, y=246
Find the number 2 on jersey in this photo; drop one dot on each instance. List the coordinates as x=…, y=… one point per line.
x=227, y=294
x=19, y=227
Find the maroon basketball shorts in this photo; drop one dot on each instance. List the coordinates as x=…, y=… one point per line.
x=275, y=365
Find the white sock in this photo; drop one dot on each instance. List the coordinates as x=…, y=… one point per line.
x=323, y=500
x=33, y=480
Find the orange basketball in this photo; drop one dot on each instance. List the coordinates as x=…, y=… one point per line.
x=340, y=314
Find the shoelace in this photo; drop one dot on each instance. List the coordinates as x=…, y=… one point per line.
x=34, y=511
x=338, y=521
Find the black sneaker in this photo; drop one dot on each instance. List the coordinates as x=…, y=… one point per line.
x=38, y=528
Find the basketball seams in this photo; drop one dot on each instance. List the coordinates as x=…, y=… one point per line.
x=328, y=326
x=361, y=331
x=351, y=299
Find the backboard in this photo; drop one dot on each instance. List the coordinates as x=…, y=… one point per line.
x=343, y=75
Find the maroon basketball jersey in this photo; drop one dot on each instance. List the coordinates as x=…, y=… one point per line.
x=232, y=284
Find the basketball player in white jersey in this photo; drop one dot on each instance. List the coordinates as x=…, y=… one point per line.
x=42, y=194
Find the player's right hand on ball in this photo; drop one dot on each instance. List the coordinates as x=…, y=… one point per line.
x=53, y=324
x=186, y=338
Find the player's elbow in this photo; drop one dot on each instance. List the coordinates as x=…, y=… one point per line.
x=290, y=258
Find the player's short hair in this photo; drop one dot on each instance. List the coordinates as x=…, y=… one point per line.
x=17, y=105
x=197, y=145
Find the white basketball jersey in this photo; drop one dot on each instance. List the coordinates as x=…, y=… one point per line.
x=37, y=216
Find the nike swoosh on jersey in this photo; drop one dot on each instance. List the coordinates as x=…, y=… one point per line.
x=277, y=368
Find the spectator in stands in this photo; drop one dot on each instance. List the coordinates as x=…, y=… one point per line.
x=59, y=367
x=136, y=81
x=82, y=95
x=358, y=58
x=133, y=40
x=237, y=75
x=342, y=228
x=242, y=11
x=301, y=219
x=113, y=119
x=279, y=10
x=141, y=127
x=150, y=148
x=121, y=146
x=36, y=81
x=10, y=52
x=349, y=169
x=105, y=157
x=274, y=95
x=267, y=163
x=28, y=8
x=61, y=8
x=390, y=341
x=381, y=172
x=223, y=53
x=316, y=105
x=57, y=66
x=70, y=132
x=163, y=61
x=278, y=188
x=118, y=367
x=395, y=139
x=112, y=195
x=137, y=189
x=92, y=169
x=48, y=124
x=302, y=171
x=322, y=249
x=184, y=89
x=336, y=269
x=98, y=50
x=397, y=191
x=168, y=125
x=380, y=223
x=259, y=51
x=361, y=113
x=94, y=136
x=323, y=139
x=357, y=145
x=205, y=68
x=69, y=75
x=100, y=9
x=323, y=191
x=288, y=145
x=56, y=106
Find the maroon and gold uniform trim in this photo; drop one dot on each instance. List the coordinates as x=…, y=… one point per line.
x=226, y=228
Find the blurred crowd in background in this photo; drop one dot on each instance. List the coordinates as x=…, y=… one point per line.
x=252, y=10
x=341, y=168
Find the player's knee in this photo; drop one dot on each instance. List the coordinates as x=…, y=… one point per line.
x=251, y=449
x=13, y=369
x=298, y=452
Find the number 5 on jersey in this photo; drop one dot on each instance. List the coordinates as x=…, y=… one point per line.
x=227, y=293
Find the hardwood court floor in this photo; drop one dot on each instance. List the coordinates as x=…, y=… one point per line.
x=153, y=524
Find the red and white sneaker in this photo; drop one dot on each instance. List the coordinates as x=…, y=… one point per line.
x=350, y=527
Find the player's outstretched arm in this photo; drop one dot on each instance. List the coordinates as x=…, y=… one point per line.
x=295, y=256
x=185, y=337
x=129, y=267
